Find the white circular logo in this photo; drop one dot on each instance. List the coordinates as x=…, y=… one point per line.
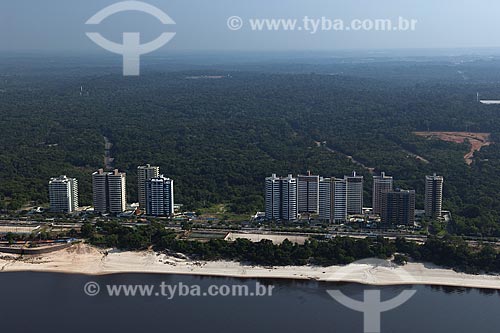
x=235, y=23
x=372, y=305
x=131, y=49
x=92, y=289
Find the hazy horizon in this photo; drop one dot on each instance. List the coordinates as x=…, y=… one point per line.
x=59, y=25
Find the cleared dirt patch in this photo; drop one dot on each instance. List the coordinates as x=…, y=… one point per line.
x=476, y=140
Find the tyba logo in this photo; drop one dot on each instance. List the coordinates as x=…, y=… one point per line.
x=131, y=49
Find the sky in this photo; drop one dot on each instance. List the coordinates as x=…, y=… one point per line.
x=202, y=25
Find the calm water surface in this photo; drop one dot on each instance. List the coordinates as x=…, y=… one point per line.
x=45, y=302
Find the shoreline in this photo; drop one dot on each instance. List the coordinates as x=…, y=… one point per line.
x=84, y=259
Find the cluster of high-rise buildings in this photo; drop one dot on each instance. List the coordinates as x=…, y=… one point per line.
x=287, y=198
x=334, y=199
x=155, y=192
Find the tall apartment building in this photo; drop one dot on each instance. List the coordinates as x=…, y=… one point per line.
x=273, y=198
x=160, y=196
x=289, y=205
x=398, y=208
x=333, y=200
x=308, y=193
x=100, y=191
x=381, y=184
x=281, y=198
x=63, y=194
x=434, y=196
x=325, y=199
x=354, y=194
x=109, y=191
x=145, y=173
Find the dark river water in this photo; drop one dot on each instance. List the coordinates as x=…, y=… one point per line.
x=43, y=302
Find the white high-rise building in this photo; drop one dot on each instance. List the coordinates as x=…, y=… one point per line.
x=354, y=194
x=340, y=200
x=333, y=200
x=160, y=196
x=273, y=197
x=145, y=173
x=308, y=193
x=109, y=191
x=381, y=184
x=325, y=199
x=434, y=196
x=117, y=193
x=281, y=198
x=289, y=206
x=63, y=194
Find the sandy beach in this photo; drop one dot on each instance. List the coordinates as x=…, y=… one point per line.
x=85, y=259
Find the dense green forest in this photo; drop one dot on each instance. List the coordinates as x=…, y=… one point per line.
x=219, y=138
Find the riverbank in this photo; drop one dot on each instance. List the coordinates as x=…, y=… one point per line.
x=85, y=259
